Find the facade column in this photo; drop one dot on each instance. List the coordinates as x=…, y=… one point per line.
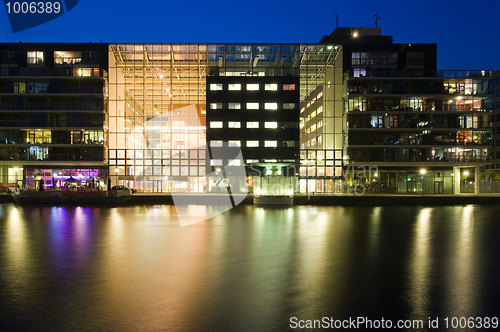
x=4, y=174
x=456, y=176
x=477, y=169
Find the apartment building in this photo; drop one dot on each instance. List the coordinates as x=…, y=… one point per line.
x=418, y=130
x=52, y=113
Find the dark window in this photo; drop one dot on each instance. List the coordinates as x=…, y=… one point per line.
x=8, y=58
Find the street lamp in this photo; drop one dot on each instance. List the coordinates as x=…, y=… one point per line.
x=422, y=173
x=466, y=174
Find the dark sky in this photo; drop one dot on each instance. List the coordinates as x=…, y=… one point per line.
x=467, y=32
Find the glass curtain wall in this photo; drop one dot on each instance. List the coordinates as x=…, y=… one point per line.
x=321, y=118
x=157, y=107
x=157, y=116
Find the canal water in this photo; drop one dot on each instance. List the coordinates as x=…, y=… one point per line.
x=249, y=269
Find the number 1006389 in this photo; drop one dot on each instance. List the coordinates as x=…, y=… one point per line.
x=33, y=7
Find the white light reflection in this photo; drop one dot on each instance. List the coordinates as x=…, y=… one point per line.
x=374, y=232
x=17, y=253
x=464, y=283
x=420, y=265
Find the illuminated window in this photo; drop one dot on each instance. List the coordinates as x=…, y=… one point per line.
x=289, y=106
x=270, y=144
x=271, y=106
x=358, y=72
x=320, y=94
x=313, y=127
x=234, y=143
x=271, y=87
x=234, y=87
x=215, y=87
x=252, y=106
x=234, y=124
x=319, y=110
x=35, y=58
x=234, y=106
x=252, y=125
x=216, y=124
x=271, y=125
x=216, y=144
x=251, y=161
x=215, y=106
x=252, y=87
x=67, y=57
x=320, y=124
x=320, y=139
x=234, y=162
x=19, y=87
x=288, y=87
x=215, y=162
x=302, y=109
x=84, y=72
x=252, y=144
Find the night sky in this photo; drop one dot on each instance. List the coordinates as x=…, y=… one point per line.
x=467, y=32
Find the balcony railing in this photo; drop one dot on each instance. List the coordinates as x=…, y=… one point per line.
x=484, y=74
x=425, y=159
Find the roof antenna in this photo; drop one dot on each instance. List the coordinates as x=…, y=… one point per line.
x=337, y=19
x=376, y=20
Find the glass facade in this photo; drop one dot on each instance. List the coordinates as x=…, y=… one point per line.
x=321, y=118
x=158, y=104
x=157, y=115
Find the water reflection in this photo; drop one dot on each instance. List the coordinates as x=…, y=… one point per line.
x=16, y=251
x=248, y=269
x=420, y=265
x=464, y=275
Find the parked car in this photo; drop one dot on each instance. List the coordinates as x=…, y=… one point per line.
x=4, y=191
x=132, y=190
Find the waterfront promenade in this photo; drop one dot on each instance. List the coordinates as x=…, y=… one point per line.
x=321, y=199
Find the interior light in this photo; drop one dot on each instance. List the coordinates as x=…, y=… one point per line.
x=329, y=47
x=466, y=173
x=423, y=171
